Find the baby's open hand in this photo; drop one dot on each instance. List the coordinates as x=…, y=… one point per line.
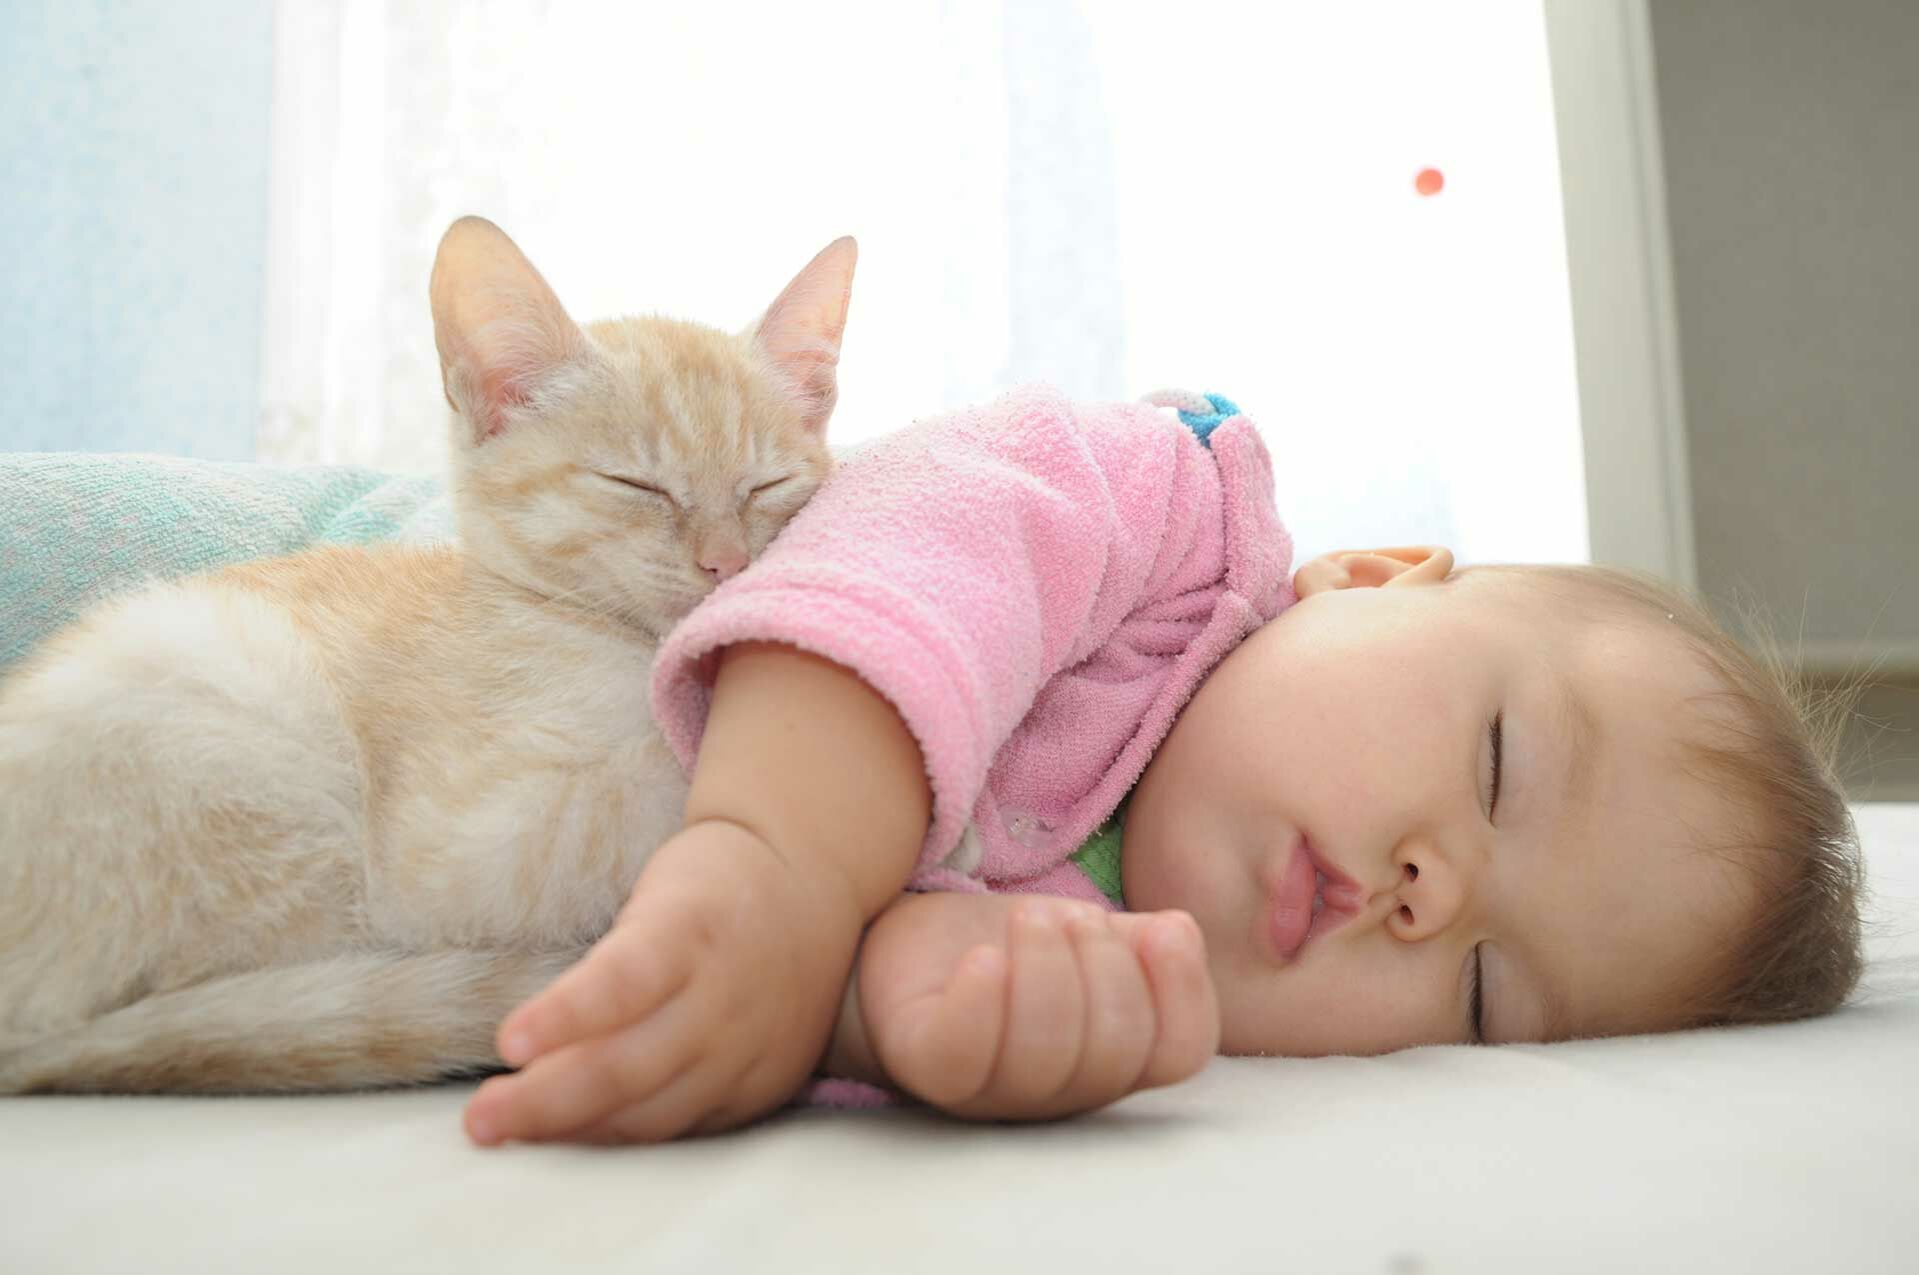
x=1075, y=1009
x=706, y=1005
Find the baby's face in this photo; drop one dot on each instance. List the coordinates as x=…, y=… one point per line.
x=1352, y=740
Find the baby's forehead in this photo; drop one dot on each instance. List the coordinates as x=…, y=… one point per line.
x=1522, y=590
x=1564, y=599
x=1612, y=672
x=1654, y=714
x=1539, y=583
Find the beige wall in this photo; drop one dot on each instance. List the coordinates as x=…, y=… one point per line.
x=1790, y=131
x=1790, y=134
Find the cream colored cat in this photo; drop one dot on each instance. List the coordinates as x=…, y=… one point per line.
x=319, y=822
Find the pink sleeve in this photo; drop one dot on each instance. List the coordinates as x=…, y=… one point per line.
x=958, y=565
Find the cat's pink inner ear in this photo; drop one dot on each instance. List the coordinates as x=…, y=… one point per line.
x=801, y=330
x=499, y=328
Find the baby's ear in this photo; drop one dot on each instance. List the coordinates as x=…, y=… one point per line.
x=499, y=327
x=1406, y=566
x=800, y=332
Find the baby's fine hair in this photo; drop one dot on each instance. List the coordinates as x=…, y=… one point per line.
x=1769, y=742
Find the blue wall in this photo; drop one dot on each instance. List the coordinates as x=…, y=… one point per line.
x=133, y=184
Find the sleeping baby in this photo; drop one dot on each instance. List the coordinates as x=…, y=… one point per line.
x=1026, y=773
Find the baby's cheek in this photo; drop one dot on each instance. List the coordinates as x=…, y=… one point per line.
x=1172, y=868
x=1147, y=880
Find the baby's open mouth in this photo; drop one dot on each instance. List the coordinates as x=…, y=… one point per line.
x=1297, y=900
x=1308, y=902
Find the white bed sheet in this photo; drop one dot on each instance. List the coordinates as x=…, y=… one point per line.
x=1791, y=1148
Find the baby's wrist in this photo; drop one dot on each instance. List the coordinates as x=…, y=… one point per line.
x=814, y=898
x=849, y=1053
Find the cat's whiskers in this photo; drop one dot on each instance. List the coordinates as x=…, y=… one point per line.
x=639, y=609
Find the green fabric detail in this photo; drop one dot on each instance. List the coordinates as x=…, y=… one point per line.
x=75, y=527
x=1098, y=858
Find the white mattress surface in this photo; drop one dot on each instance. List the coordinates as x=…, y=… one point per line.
x=1791, y=1148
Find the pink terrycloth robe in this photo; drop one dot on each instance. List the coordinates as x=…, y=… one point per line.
x=1038, y=587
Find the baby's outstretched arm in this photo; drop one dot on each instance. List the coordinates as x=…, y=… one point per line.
x=714, y=995
x=1008, y=1007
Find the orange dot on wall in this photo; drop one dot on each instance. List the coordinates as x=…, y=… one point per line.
x=1430, y=181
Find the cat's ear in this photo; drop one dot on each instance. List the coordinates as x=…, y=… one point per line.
x=800, y=331
x=500, y=329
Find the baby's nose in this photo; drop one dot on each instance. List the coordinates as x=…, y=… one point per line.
x=1428, y=895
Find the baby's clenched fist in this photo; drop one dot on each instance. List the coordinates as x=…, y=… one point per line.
x=996, y=1007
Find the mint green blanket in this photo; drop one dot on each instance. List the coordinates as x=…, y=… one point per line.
x=75, y=527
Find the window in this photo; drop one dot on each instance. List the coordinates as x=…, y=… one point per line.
x=1112, y=197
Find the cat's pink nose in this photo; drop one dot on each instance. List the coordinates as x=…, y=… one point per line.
x=723, y=562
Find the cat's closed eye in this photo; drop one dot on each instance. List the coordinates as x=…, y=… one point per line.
x=636, y=484
x=768, y=487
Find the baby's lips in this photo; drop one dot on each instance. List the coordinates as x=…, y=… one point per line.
x=1291, y=916
x=1339, y=890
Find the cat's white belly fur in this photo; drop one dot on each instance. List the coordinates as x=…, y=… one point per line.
x=181, y=800
x=188, y=795
x=543, y=858
x=528, y=829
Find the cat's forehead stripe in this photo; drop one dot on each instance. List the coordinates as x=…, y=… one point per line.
x=692, y=407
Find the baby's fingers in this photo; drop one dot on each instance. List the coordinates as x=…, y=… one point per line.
x=943, y=1046
x=1045, y=1016
x=685, y=1105
x=619, y=982
x=563, y=1092
x=1121, y=1024
x=1186, y=1005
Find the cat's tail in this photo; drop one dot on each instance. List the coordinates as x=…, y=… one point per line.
x=346, y=1023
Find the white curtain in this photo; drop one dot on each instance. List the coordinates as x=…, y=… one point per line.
x=1112, y=197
